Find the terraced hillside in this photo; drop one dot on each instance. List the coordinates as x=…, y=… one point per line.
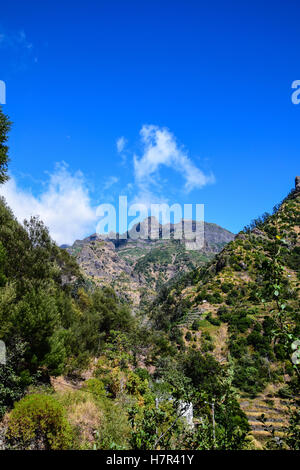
x=265, y=415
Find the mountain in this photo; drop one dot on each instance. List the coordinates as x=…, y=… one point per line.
x=137, y=267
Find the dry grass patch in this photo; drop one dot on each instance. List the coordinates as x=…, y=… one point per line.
x=83, y=414
x=86, y=418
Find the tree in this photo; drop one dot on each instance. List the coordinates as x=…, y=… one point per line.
x=12, y=383
x=5, y=126
x=204, y=371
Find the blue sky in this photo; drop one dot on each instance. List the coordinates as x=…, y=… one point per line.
x=198, y=92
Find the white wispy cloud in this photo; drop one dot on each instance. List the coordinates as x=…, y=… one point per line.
x=15, y=40
x=121, y=143
x=160, y=148
x=110, y=182
x=19, y=46
x=64, y=205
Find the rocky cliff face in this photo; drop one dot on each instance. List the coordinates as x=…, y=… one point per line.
x=138, y=265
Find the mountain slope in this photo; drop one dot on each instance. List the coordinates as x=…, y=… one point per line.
x=243, y=306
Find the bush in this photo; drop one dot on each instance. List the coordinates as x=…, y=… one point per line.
x=188, y=336
x=142, y=373
x=214, y=298
x=280, y=352
x=238, y=347
x=239, y=321
x=285, y=392
x=259, y=342
x=38, y=422
x=214, y=321
x=196, y=325
x=95, y=386
x=224, y=314
x=250, y=375
x=226, y=287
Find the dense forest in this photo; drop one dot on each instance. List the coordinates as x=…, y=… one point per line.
x=83, y=372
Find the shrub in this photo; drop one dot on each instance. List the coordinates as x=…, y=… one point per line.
x=226, y=287
x=188, y=336
x=38, y=422
x=250, y=375
x=224, y=314
x=238, y=347
x=142, y=373
x=240, y=322
x=95, y=386
x=207, y=346
x=214, y=298
x=196, y=325
x=115, y=428
x=201, y=296
x=214, y=321
x=135, y=385
x=268, y=326
x=280, y=352
x=285, y=392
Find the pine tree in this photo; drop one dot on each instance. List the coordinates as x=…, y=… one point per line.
x=5, y=126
